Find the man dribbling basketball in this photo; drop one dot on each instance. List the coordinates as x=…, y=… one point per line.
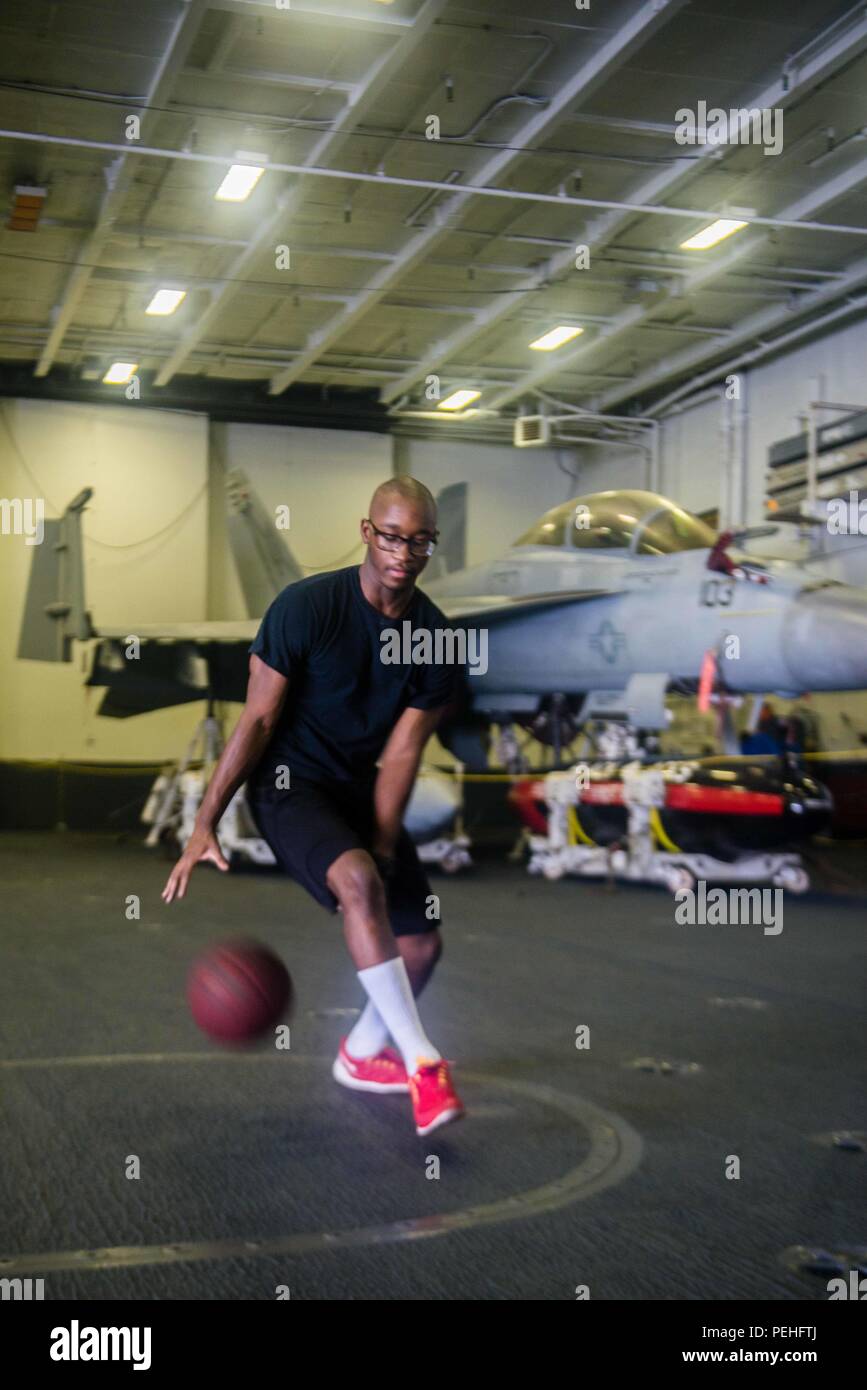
x=347, y=730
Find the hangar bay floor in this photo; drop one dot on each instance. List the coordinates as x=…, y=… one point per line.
x=602, y=1167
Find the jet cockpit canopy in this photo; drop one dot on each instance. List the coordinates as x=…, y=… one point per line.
x=640, y=522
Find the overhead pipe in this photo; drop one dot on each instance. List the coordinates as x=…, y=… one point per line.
x=395, y=181
x=755, y=354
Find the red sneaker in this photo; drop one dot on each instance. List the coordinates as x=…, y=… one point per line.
x=383, y=1073
x=434, y=1099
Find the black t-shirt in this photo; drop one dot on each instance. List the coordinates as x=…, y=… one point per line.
x=343, y=699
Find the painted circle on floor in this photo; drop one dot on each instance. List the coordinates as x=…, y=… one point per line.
x=612, y=1151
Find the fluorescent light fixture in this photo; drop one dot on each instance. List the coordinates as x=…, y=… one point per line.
x=458, y=399
x=710, y=236
x=119, y=373
x=239, y=183
x=556, y=337
x=165, y=301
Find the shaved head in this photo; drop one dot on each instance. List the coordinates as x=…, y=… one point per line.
x=400, y=533
x=405, y=489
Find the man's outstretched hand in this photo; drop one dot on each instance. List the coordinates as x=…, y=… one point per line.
x=202, y=848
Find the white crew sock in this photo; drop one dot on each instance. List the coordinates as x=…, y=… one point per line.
x=370, y=1035
x=388, y=987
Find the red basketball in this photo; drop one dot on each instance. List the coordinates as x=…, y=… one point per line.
x=239, y=990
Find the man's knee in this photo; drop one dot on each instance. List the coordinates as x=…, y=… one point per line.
x=355, y=882
x=424, y=949
x=434, y=944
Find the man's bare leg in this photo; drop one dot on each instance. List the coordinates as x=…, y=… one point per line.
x=383, y=966
x=355, y=882
x=420, y=955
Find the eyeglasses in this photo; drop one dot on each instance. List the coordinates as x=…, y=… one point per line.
x=422, y=545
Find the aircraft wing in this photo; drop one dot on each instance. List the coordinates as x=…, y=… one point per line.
x=488, y=608
x=180, y=663
x=200, y=634
x=491, y=607
x=175, y=664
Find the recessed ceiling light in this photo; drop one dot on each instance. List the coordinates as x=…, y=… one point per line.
x=119, y=373
x=458, y=399
x=709, y=236
x=165, y=301
x=556, y=337
x=239, y=183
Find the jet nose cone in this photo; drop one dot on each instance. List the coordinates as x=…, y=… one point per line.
x=825, y=638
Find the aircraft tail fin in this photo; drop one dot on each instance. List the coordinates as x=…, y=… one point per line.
x=451, y=553
x=54, y=611
x=264, y=562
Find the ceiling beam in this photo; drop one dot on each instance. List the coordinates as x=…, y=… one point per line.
x=384, y=71
x=745, y=334
x=842, y=45
x=173, y=59
x=234, y=25
x=823, y=196
x=631, y=32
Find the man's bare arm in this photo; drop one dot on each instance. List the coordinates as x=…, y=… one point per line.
x=398, y=767
x=266, y=693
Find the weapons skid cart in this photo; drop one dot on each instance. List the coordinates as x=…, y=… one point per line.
x=627, y=804
x=176, y=795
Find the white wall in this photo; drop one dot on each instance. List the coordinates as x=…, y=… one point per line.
x=600, y=468
x=508, y=488
x=691, y=450
x=145, y=527
x=156, y=546
x=325, y=477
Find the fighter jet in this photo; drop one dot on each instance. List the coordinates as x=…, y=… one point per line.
x=601, y=607
x=612, y=599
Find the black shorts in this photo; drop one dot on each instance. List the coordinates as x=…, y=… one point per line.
x=311, y=824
